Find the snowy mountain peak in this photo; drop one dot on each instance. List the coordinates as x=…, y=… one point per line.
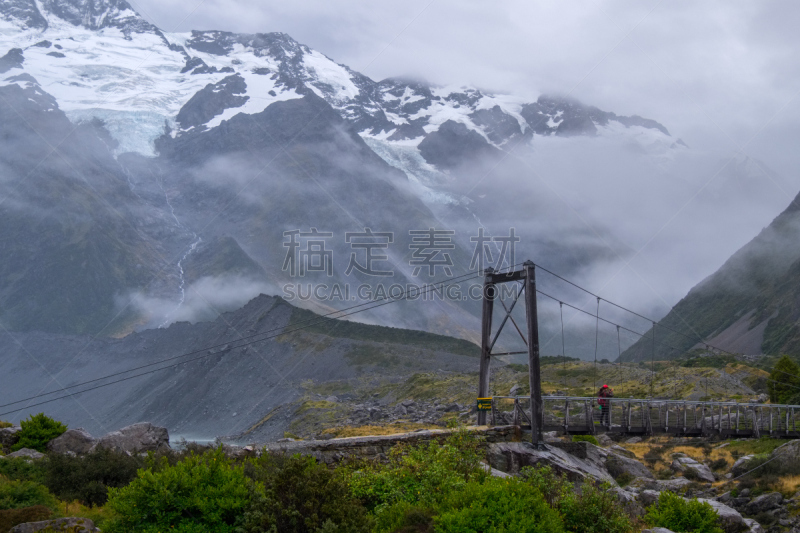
x=89, y=14
x=99, y=14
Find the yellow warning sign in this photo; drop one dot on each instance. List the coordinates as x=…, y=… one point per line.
x=484, y=404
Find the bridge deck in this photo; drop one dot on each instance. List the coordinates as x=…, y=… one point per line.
x=649, y=417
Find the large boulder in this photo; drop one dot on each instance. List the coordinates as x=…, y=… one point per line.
x=604, y=440
x=730, y=519
x=620, y=465
x=677, y=485
x=510, y=457
x=9, y=437
x=765, y=502
x=740, y=466
x=77, y=441
x=78, y=525
x=628, y=501
x=648, y=497
x=141, y=437
x=692, y=469
x=754, y=526
x=619, y=450
x=27, y=453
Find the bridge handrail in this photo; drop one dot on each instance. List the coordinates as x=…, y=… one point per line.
x=651, y=400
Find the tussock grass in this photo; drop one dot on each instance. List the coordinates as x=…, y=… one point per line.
x=364, y=431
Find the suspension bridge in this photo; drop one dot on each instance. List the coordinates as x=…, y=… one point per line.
x=681, y=418
x=534, y=412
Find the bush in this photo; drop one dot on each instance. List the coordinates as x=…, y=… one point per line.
x=719, y=464
x=784, y=380
x=20, y=468
x=201, y=494
x=682, y=516
x=20, y=494
x=37, y=432
x=4, y=424
x=298, y=495
x=497, y=505
x=594, y=510
x=585, y=438
x=12, y=517
x=421, y=475
x=88, y=478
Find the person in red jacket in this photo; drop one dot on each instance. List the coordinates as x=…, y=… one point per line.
x=603, y=394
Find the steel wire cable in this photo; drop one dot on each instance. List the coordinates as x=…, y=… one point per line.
x=662, y=343
x=313, y=321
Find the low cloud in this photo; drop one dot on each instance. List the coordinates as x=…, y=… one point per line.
x=204, y=300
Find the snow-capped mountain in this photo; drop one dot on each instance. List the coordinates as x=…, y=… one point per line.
x=99, y=58
x=164, y=169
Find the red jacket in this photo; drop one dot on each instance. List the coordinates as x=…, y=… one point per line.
x=606, y=392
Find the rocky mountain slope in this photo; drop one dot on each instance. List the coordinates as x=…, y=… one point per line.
x=751, y=305
x=230, y=381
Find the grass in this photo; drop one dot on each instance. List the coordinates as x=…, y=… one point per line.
x=365, y=332
x=364, y=431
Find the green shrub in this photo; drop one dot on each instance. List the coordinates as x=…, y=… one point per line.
x=719, y=464
x=12, y=517
x=404, y=517
x=784, y=380
x=88, y=478
x=20, y=468
x=682, y=516
x=201, y=494
x=497, y=505
x=37, y=432
x=4, y=424
x=421, y=475
x=594, y=510
x=20, y=494
x=585, y=438
x=298, y=495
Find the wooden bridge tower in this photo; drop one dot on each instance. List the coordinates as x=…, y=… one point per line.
x=526, y=275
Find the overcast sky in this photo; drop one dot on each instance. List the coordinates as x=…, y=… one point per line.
x=721, y=75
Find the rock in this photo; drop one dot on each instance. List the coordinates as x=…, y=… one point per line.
x=765, y=502
x=676, y=485
x=754, y=526
x=691, y=468
x=740, y=466
x=332, y=399
x=453, y=407
x=634, y=440
x=141, y=437
x=648, y=497
x=628, y=501
x=510, y=457
x=730, y=519
x=619, y=450
x=77, y=441
x=9, y=437
x=605, y=440
x=26, y=452
x=619, y=465
x=550, y=436
x=80, y=525
x=762, y=398
x=495, y=473
x=400, y=410
x=513, y=391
